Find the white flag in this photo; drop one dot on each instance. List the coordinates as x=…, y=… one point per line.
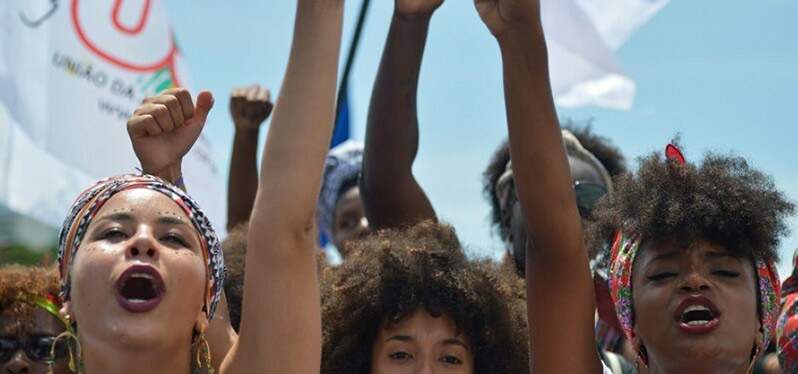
x=71, y=73
x=583, y=36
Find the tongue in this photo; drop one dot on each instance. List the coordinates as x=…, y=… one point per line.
x=138, y=289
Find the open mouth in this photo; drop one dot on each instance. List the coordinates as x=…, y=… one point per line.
x=697, y=315
x=140, y=289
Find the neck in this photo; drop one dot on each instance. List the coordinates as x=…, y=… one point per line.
x=102, y=357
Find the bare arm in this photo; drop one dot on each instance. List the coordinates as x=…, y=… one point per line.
x=249, y=108
x=391, y=195
x=281, y=317
x=557, y=268
x=162, y=130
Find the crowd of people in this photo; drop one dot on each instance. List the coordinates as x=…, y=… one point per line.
x=668, y=268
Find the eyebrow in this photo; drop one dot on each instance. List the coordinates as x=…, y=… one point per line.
x=169, y=220
x=450, y=341
x=455, y=341
x=401, y=338
x=713, y=255
x=670, y=255
x=120, y=216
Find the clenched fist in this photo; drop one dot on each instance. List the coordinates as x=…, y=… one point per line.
x=503, y=15
x=250, y=106
x=164, y=128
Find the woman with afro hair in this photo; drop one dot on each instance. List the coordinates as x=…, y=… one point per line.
x=30, y=323
x=409, y=300
x=691, y=247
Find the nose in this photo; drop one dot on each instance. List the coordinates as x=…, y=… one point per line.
x=694, y=281
x=143, y=246
x=426, y=368
x=362, y=228
x=18, y=364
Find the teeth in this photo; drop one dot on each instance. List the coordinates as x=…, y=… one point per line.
x=697, y=323
x=693, y=308
x=136, y=301
x=142, y=275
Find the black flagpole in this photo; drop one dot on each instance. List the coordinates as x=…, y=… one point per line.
x=350, y=58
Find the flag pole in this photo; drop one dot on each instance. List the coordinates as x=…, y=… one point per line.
x=350, y=58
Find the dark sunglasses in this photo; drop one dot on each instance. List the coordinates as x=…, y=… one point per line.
x=587, y=196
x=37, y=348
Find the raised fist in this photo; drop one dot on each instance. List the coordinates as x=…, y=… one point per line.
x=164, y=128
x=417, y=7
x=250, y=106
x=502, y=15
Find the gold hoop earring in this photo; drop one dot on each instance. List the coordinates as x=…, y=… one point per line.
x=203, y=354
x=74, y=350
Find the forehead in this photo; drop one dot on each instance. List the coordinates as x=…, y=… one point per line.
x=423, y=323
x=675, y=250
x=584, y=171
x=141, y=203
x=350, y=198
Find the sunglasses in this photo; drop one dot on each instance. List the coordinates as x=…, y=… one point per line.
x=36, y=348
x=588, y=194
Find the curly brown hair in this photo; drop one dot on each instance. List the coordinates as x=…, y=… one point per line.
x=723, y=199
x=234, y=247
x=392, y=273
x=16, y=280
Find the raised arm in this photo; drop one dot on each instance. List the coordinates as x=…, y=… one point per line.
x=249, y=108
x=559, y=286
x=281, y=316
x=391, y=195
x=162, y=130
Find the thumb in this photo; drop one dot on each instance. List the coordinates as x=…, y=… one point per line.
x=204, y=105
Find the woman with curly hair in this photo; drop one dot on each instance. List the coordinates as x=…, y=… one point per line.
x=692, y=247
x=29, y=322
x=408, y=300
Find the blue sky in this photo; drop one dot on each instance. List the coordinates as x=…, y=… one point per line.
x=722, y=74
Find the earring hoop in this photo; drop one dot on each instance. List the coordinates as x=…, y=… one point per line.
x=203, y=354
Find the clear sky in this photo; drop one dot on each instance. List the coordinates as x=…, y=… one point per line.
x=723, y=74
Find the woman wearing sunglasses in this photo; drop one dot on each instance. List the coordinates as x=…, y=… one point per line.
x=693, y=245
x=30, y=323
x=591, y=182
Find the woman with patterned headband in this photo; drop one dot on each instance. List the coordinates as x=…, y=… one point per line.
x=692, y=261
x=30, y=323
x=141, y=267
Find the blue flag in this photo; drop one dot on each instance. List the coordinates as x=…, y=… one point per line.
x=341, y=133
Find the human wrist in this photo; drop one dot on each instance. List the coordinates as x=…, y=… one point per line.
x=246, y=130
x=419, y=19
x=172, y=173
x=528, y=38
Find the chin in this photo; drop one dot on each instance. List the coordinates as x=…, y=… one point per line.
x=137, y=331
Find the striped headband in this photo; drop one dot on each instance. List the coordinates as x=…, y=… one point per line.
x=788, y=323
x=625, y=248
x=89, y=203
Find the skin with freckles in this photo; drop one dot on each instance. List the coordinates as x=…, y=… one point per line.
x=421, y=343
x=157, y=233
x=349, y=219
x=664, y=275
x=39, y=323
